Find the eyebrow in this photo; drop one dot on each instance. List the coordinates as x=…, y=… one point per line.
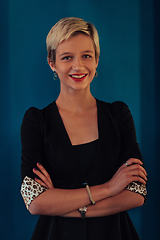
x=88, y=51
x=66, y=53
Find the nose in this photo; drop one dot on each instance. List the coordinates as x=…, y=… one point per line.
x=77, y=64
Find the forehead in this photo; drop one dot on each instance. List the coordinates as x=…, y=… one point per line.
x=78, y=43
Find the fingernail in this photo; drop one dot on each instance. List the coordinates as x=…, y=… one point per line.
x=38, y=163
x=34, y=169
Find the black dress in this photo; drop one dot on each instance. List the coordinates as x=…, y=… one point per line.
x=45, y=140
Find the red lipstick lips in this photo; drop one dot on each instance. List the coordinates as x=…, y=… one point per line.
x=78, y=77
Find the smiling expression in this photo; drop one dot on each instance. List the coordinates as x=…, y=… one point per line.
x=75, y=62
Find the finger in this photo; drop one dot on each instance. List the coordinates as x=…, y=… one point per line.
x=138, y=168
x=143, y=170
x=131, y=161
x=120, y=169
x=43, y=170
x=138, y=179
x=141, y=174
x=40, y=182
x=43, y=178
x=136, y=171
x=126, y=164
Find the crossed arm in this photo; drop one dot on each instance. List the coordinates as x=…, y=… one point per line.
x=110, y=197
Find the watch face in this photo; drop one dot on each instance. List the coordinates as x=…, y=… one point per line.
x=83, y=209
x=83, y=212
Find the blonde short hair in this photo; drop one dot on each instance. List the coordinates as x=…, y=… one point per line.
x=66, y=28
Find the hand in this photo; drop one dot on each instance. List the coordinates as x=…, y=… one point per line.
x=45, y=179
x=127, y=174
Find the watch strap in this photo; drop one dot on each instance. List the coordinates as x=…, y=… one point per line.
x=83, y=211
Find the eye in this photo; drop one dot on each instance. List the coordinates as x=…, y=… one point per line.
x=66, y=58
x=87, y=56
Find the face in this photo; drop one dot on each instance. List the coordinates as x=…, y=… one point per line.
x=75, y=62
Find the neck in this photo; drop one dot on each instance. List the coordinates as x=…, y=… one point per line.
x=76, y=102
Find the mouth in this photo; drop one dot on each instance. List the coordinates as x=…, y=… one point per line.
x=78, y=77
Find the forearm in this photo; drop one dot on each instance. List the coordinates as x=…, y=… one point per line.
x=59, y=201
x=122, y=202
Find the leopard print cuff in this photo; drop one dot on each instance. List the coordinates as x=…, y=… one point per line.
x=30, y=189
x=138, y=188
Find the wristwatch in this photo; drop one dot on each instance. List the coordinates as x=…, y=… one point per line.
x=83, y=211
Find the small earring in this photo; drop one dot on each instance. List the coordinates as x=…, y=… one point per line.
x=96, y=73
x=55, y=76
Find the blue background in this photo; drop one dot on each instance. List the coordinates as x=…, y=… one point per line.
x=128, y=70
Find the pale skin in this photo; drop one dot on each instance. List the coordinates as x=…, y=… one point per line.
x=75, y=58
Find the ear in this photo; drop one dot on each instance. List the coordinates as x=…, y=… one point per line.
x=97, y=61
x=52, y=65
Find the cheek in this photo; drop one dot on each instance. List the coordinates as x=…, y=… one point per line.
x=64, y=68
x=92, y=64
x=92, y=68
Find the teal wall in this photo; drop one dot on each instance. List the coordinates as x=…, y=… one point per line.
x=128, y=71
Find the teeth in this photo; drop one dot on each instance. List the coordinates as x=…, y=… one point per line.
x=78, y=76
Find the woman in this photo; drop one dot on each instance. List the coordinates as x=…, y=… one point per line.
x=81, y=165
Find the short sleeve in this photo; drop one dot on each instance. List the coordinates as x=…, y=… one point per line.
x=32, y=152
x=139, y=188
x=30, y=189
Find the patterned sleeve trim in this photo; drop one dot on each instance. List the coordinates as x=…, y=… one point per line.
x=138, y=188
x=30, y=189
